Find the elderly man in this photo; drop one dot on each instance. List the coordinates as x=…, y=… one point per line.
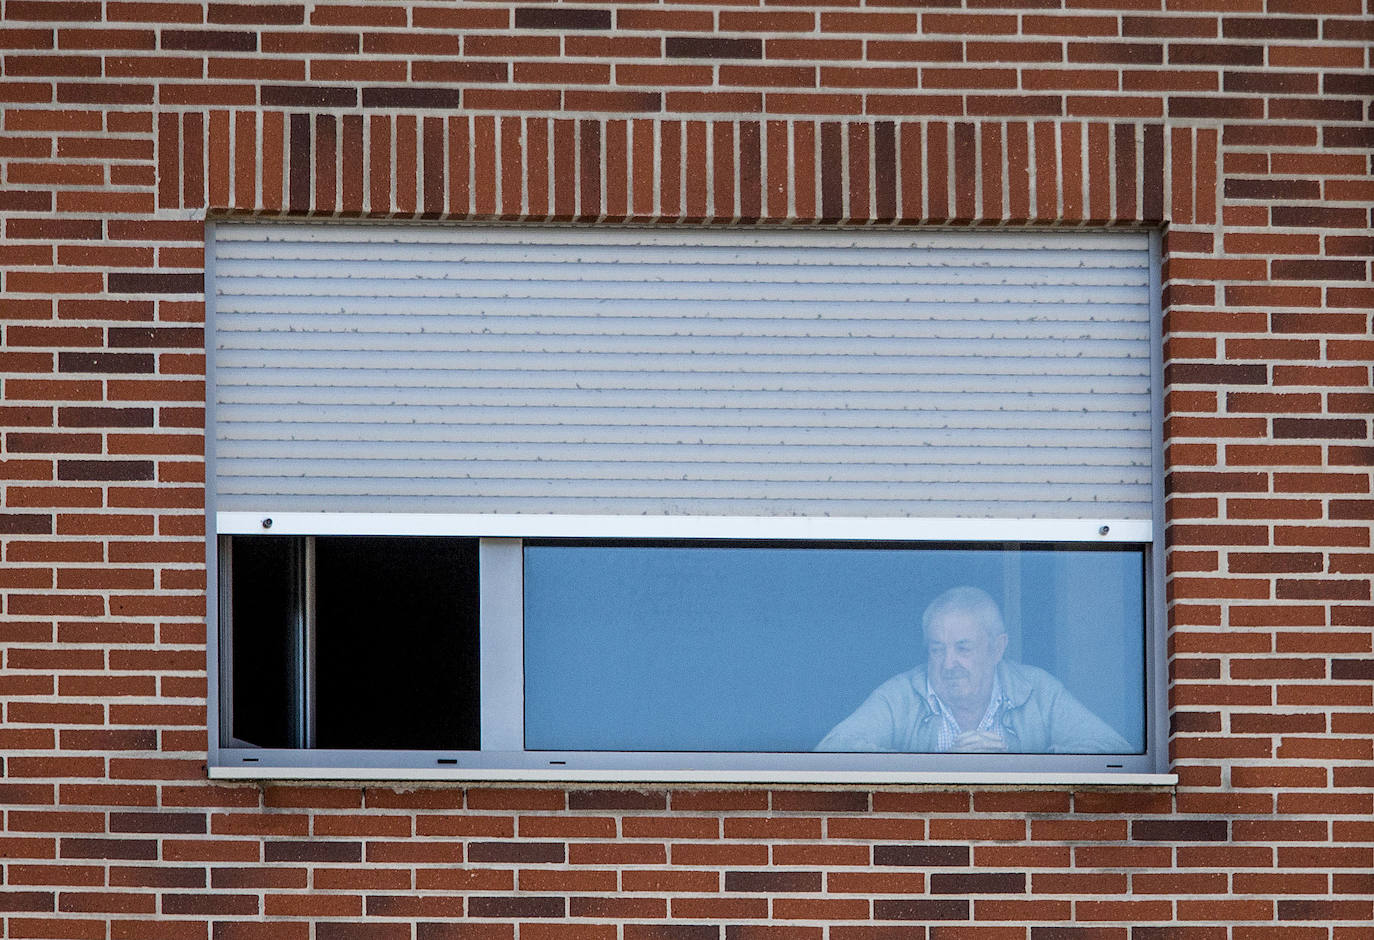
x=967, y=698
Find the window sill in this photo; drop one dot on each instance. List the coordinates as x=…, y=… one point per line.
x=564, y=775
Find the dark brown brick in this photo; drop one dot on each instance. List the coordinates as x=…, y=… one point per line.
x=99, y=417
x=1348, y=136
x=589, y=158
x=517, y=852
x=298, y=185
x=989, y=882
x=1184, y=53
x=320, y=851
x=1359, y=246
x=1270, y=83
x=309, y=96
x=142, y=282
x=142, y=850
x=1318, y=269
x=1316, y=109
x=25, y=523
x=26, y=902
x=1348, y=83
x=164, y=337
x=1216, y=373
x=57, y=229
x=1321, y=589
x=105, y=470
x=374, y=930
x=1268, y=27
x=248, y=877
x=1352, y=668
x=767, y=881
x=157, y=822
x=705, y=47
x=242, y=905
x=1215, y=481
x=411, y=97
x=1215, y=106
x=885, y=169
x=820, y=801
x=671, y=932
x=1318, y=428
x=832, y=171
x=924, y=855
x=122, y=363
x=517, y=907
x=575, y=18
x=1117, y=53
x=770, y=932
x=452, y=930
x=920, y=909
x=26, y=200
x=1311, y=909
x=1179, y=830
x=1318, y=216
x=156, y=876
x=1272, y=189
x=209, y=40
x=1152, y=170
x=1349, y=29
x=1194, y=722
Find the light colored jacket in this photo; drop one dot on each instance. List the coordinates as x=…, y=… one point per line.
x=1040, y=716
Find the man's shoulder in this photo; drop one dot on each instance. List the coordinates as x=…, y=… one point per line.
x=913, y=679
x=904, y=685
x=1021, y=681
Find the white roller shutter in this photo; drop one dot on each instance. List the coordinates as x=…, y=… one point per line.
x=683, y=371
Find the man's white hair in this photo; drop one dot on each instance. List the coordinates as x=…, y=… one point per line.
x=971, y=601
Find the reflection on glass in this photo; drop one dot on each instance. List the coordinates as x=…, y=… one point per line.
x=778, y=648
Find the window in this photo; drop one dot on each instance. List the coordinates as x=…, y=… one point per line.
x=651, y=504
x=352, y=642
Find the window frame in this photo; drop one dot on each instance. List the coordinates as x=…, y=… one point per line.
x=500, y=573
x=502, y=598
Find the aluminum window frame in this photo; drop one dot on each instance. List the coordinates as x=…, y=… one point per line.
x=501, y=634
x=502, y=642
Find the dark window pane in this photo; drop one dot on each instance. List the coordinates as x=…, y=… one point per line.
x=265, y=684
x=396, y=643
x=774, y=648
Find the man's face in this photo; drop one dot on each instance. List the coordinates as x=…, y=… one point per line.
x=962, y=659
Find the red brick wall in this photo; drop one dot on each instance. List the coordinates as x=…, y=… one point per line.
x=1242, y=126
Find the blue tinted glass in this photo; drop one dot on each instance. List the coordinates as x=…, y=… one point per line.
x=754, y=648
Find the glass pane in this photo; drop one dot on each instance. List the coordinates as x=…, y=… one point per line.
x=396, y=639
x=787, y=648
x=265, y=643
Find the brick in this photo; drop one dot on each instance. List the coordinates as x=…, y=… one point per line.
x=518, y=852
x=701, y=47
x=300, y=851
x=1163, y=830
x=546, y=18
x=936, y=909
x=921, y=855
x=773, y=882
x=978, y=883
